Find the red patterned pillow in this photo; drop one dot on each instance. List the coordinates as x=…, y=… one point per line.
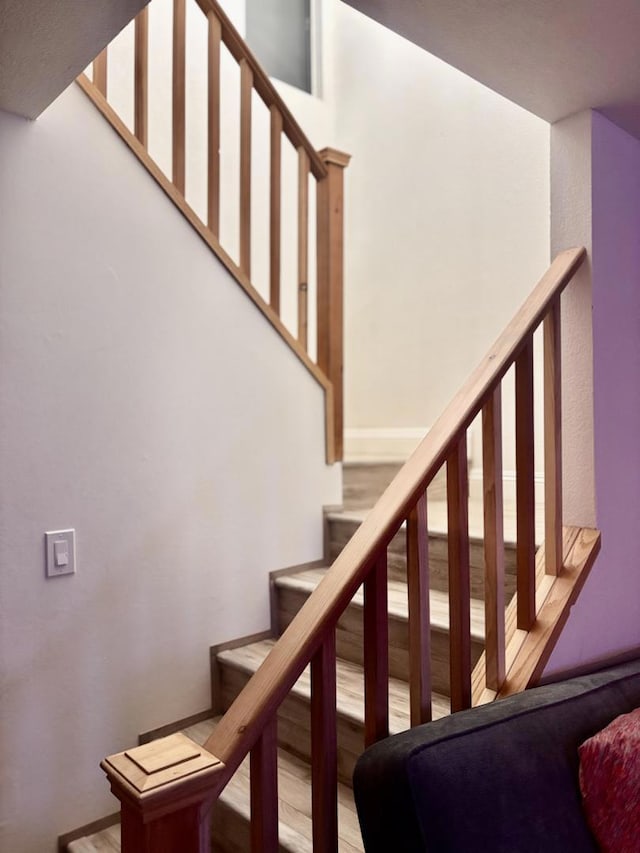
x=610, y=784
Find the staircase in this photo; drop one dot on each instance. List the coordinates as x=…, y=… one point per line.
x=427, y=603
x=233, y=667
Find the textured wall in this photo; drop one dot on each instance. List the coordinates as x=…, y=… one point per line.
x=606, y=618
x=447, y=223
x=145, y=402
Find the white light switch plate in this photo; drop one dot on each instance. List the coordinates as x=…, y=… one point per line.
x=61, y=552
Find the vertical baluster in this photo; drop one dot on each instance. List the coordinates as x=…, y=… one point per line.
x=246, y=89
x=303, y=244
x=525, y=489
x=459, y=577
x=141, y=81
x=376, y=653
x=179, y=80
x=552, y=441
x=100, y=72
x=213, y=124
x=324, y=748
x=275, y=201
x=264, y=790
x=493, y=541
x=419, y=617
x=330, y=250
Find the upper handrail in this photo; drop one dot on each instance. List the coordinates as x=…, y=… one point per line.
x=263, y=85
x=243, y=722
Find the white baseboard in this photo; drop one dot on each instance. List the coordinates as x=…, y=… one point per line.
x=381, y=444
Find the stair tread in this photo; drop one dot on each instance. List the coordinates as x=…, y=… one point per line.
x=437, y=520
x=398, y=604
x=106, y=841
x=294, y=795
x=350, y=686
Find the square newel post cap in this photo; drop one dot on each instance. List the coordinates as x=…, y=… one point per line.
x=334, y=157
x=164, y=776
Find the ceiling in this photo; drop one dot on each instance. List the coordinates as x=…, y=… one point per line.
x=45, y=44
x=552, y=57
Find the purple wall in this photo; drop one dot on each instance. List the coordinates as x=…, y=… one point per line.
x=606, y=618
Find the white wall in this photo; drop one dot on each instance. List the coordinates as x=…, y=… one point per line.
x=145, y=402
x=447, y=223
x=571, y=225
x=606, y=618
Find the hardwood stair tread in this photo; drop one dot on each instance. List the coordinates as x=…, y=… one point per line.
x=350, y=686
x=398, y=604
x=106, y=841
x=294, y=795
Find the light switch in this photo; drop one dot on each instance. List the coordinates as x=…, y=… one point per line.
x=60, y=552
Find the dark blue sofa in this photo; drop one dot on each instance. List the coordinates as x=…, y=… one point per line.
x=501, y=778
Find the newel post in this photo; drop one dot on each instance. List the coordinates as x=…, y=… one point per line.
x=330, y=251
x=166, y=790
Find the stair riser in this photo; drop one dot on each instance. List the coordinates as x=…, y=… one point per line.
x=231, y=831
x=363, y=484
x=294, y=721
x=350, y=644
x=341, y=530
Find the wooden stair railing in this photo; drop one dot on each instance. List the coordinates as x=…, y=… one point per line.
x=325, y=167
x=518, y=640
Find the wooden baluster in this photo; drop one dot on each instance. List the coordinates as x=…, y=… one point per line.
x=324, y=747
x=275, y=203
x=459, y=577
x=330, y=250
x=264, y=790
x=419, y=618
x=179, y=81
x=493, y=541
x=303, y=244
x=376, y=653
x=552, y=441
x=100, y=72
x=246, y=90
x=525, y=489
x=213, y=124
x=141, y=81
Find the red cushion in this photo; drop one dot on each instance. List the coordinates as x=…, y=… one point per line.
x=610, y=784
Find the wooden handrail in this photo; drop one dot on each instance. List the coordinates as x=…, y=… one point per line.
x=515, y=651
x=261, y=697
x=326, y=167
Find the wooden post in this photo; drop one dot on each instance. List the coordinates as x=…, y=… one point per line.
x=525, y=489
x=264, y=790
x=214, y=37
x=493, y=541
x=100, y=72
x=552, y=441
x=459, y=577
x=141, y=79
x=246, y=91
x=324, y=747
x=178, y=147
x=166, y=789
x=419, y=619
x=330, y=252
x=376, y=652
x=275, y=208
